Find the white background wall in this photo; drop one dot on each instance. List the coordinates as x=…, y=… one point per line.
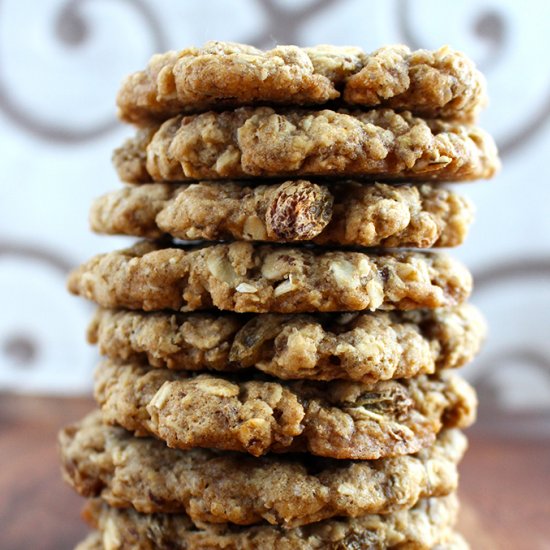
x=60, y=66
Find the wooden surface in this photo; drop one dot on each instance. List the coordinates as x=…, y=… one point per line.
x=505, y=484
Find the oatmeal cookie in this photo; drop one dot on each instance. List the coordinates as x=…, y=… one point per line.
x=244, y=277
x=212, y=487
x=421, y=527
x=448, y=540
x=442, y=83
x=365, y=347
x=253, y=142
x=342, y=214
x=344, y=420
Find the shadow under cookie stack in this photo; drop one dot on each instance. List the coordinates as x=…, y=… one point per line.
x=286, y=380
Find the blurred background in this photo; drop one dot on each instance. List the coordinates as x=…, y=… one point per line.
x=61, y=62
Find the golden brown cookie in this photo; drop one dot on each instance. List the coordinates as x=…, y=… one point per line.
x=125, y=471
x=450, y=540
x=421, y=528
x=245, y=277
x=344, y=420
x=365, y=347
x=442, y=83
x=253, y=142
x=342, y=214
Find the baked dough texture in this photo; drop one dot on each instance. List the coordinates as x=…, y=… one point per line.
x=344, y=420
x=212, y=487
x=423, y=527
x=442, y=83
x=347, y=214
x=253, y=142
x=245, y=277
x=365, y=347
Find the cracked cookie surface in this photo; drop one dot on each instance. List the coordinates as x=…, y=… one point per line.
x=344, y=420
x=125, y=471
x=244, y=277
x=253, y=142
x=422, y=527
x=341, y=214
x=365, y=347
x=442, y=83
x=448, y=540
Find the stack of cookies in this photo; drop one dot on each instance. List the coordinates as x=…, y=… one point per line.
x=278, y=367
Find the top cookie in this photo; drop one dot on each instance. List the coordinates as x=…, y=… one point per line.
x=443, y=83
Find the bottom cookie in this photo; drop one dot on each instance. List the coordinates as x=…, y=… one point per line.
x=428, y=525
x=212, y=487
x=450, y=540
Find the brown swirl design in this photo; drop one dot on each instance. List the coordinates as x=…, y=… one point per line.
x=491, y=27
x=48, y=257
x=283, y=24
x=511, y=270
x=519, y=271
x=494, y=417
x=72, y=29
x=22, y=348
